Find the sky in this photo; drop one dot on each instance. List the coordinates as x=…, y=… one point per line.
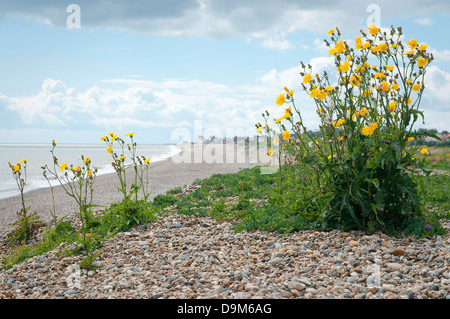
x=172, y=70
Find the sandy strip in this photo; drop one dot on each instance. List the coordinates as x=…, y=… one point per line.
x=195, y=161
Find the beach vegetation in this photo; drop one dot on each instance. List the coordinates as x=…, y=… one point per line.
x=26, y=223
x=362, y=169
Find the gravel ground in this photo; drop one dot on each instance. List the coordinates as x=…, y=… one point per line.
x=187, y=257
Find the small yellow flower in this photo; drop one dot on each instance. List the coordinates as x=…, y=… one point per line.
x=395, y=87
x=122, y=157
x=389, y=67
x=338, y=122
x=412, y=44
x=329, y=88
x=63, y=166
x=307, y=78
x=409, y=101
x=331, y=31
x=103, y=138
x=416, y=87
x=373, y=29
x=280, y=99
x=109, y=149
x=385, y=86
x=367, y=130
x=147, y=161
x=392, y=106
x=364, y=111
x=421, y=62
x=424, y=150
x=344, y=67
x=111, y=133
x=88, y=235
x=90, y=173
x=270, y=152
x=16, y=168
x=409, y=81
x=286, y=135
x=366, y=45
x=410, y=138
x=422, y=47
x=259, y=129
x=130, y=134
x=87, y=160
x=114, y=137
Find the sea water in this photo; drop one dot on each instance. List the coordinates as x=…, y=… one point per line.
x=38, y=155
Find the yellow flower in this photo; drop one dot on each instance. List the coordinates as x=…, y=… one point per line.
x=338, y=49
x=109, y=149
x=416, y=87
x=103, y=138
x=392, y=106
x=338, y=122
x=385, y=86
x=63, y=166
x=123, y=157
x=424, y=150
x=412, y=52
x=395, y=86
x=409, y=81
x=367, y=130
x=366, y=45
x=147, y=161
x=329, y=88
x=259, y=129
x=270, y=152
x=114, y=137
x=412, y=44
x=90, y=173
x=331, y=31
x=314, y=93
x=421, y=62
x=364, y=111
x=88, y=235
x=280, y=99
x=389, y=67
x=111, y=133
x=410, y=138
x=373, y=29
x=374, y=125
x=87, y=160
x=422, y=47
x=354, y=80
x=344, y=66
x=16, y=168
x=130, y=134
x=409, y=101
x=286, y=135
x=307, y=78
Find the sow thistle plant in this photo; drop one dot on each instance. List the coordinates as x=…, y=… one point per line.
x=360, y=161
x=138, y=163
x=77, y=182
x=25, y=223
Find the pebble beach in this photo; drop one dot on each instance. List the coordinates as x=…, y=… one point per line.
x=188, y=257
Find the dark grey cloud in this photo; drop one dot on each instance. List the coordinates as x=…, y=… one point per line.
x=217, y=18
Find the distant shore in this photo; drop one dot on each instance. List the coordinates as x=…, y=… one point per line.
x=195, y=161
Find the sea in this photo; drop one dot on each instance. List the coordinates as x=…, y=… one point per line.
x=38, y=155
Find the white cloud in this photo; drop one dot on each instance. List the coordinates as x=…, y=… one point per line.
x=424, y=21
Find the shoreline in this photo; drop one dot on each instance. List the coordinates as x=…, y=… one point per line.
x=195, y=161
